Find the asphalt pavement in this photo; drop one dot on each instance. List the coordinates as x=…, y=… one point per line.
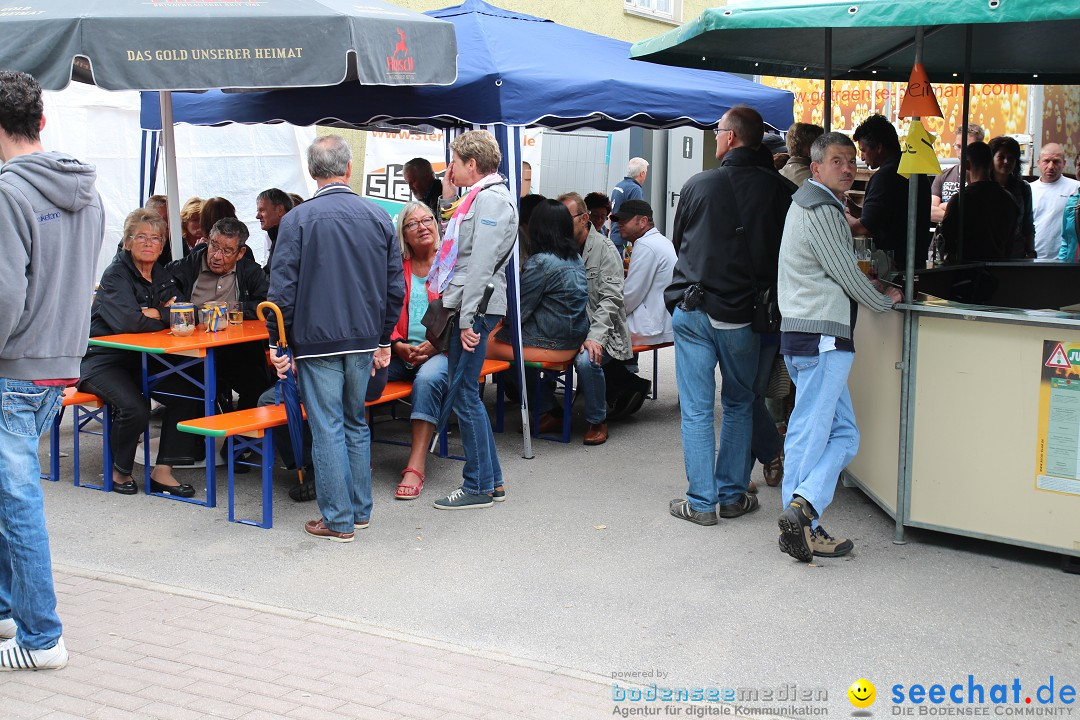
x=583, y=570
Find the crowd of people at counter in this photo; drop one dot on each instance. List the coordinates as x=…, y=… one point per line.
x=998, y=214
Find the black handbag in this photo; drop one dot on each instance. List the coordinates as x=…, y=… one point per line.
x=766, y=311
x=438, y=322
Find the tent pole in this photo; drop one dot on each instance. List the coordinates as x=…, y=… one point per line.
x=827, y=124
x=168, y=139
x=904, y=459
x=964, y=137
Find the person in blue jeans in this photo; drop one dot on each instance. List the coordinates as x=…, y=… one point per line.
x=337, y=279
x=413, y=357
x=818, y=286
x=51, y=226
x=727, y=236
x=481, y=232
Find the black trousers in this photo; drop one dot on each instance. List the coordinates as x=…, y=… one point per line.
x=243, y=368
x=121, y=387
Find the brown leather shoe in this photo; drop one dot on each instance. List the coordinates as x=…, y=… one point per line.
x=774, y=471
x=596, y=434
x=548, y=424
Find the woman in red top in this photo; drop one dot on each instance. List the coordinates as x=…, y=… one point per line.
x=412, y=356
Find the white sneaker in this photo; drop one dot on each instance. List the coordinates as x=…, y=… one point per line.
x=7, y=628
x=15, y=657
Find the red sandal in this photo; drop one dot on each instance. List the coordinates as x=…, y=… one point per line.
x=409, y=492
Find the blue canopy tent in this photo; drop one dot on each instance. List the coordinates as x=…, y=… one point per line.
x=514, y=71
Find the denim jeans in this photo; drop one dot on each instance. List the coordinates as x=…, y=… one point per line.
x=429, y=385
x=332, y=389
x=765, y=441
x=714, y=477
x=822, y=437
x=282, y=438
x=26, y=582
x=591, y=384
x=482, y=473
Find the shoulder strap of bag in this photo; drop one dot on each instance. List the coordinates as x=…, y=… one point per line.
x=740, y=231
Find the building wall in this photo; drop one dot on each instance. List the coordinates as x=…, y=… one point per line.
x=603, y=17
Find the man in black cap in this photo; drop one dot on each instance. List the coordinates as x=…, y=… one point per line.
x=649, y=274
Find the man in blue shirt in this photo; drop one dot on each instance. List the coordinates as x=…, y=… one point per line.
x=629, y=188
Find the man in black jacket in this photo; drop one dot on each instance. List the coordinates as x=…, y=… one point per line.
x=727, y=235
x=223, y=270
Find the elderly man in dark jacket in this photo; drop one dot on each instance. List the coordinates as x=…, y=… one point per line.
x=337, y=279
x=727, y=235
x=223, y=270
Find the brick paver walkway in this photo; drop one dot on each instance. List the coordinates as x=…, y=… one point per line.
x=145, y=651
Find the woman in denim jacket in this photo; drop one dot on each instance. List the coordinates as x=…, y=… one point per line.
x=554, y=292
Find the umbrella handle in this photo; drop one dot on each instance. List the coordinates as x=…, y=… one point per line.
x=261, y=312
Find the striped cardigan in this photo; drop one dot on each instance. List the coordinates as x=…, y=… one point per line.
x=818, y=273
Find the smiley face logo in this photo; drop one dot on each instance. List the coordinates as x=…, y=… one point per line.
x=862, y=693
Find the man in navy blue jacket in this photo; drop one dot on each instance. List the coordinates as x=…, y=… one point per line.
x=337, y=279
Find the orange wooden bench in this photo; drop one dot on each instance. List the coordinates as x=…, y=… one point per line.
x=655, y=361
x=248, y=430
x=555, y=366
x=87, y=408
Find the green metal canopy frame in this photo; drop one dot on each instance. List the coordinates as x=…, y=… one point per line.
x=1019, y=41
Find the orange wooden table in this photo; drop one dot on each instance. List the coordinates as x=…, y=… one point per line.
x=180, y=356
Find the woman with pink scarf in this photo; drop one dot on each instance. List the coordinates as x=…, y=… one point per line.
x=482, y=230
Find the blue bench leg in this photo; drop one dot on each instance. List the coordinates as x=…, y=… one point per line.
x=265, y=448
x=82, y=417
x=231, y=457
x=568, y=401
x=655, y=367
x=500, y=404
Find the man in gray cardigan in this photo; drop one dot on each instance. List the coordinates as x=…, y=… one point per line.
x=818, y=287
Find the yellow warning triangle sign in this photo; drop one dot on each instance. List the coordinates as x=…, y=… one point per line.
x=1058, y=358
x=917, y=155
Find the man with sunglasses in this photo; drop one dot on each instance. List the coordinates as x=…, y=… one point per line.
x=222, y=270
x=727, y=233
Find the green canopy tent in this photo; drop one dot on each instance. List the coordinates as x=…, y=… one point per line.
x=1019, y=41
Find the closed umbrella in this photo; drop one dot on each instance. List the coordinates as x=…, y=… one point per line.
x=287, y=391
x=457, y=375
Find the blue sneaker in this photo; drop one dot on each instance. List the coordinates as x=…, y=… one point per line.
x=461, y=500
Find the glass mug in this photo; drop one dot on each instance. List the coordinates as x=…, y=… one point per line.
x=213, y=316
x=182, y=319
x=236, y=313
x=862, y=254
